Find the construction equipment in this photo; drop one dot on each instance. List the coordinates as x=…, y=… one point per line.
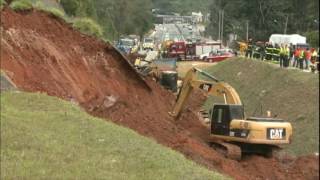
x=230, y=129
x=148, y=44
x=243, y=46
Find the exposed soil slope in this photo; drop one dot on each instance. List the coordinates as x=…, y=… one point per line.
x=40, y=53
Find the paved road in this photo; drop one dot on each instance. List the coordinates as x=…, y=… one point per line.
x=175, y=32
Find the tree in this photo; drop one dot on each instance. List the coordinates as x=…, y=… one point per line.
x=265, y=17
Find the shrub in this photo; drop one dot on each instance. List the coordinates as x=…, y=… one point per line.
x=51, y=10
x=313, y=38
x=55, y=12
x=70, y=6
x=88, y=26
x=2, y=3
x=21, y=5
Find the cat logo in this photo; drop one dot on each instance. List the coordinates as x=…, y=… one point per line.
x=276, y=133
x=206, y=87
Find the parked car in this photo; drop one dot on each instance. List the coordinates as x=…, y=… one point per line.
x=217, y=55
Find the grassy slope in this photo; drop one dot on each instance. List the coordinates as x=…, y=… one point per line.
x=292, y=94
x=43, y=137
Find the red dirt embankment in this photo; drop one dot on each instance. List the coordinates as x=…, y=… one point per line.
x=41, y=53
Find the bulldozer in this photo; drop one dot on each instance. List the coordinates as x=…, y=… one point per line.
x=230, y=129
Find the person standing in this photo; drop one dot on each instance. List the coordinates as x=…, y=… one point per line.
x=249, y=49
x=282, y=55
x=286, y=56
x=313, y=64
x=301, y=58
x=307, y=58
x=276, y=52
x=262, y=51
x=296, y=57
x=291, y=56
x=268, y=51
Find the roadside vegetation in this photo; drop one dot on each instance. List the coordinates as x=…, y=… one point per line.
x=2, y=3
x=55, y=12
x=265, y=18
x=265, y=87
x=85, y=25
x=116, y=17
x=88, y=26
x=43, y=136
x=21, y=5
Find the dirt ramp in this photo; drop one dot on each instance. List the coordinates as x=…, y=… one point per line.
x=41, y=53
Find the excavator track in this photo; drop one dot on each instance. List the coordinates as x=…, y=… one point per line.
x=231, y=151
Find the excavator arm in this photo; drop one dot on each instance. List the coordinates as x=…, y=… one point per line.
x=211, y=87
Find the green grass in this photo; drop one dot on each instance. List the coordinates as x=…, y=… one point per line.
x=57, y=13
x=291, y=94
x=21, y=5
x=88, y=26
x=44, y=137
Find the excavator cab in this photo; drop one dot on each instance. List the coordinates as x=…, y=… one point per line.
x=221, y=116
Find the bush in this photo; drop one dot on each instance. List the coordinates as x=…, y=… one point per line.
x=70, y=6
x=51, y=10
x=313, y=38
x=21, y=5
x=2, y=3
x=88, y=26
x=55, y=12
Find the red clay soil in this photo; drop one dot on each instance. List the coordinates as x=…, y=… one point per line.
x=43, y=54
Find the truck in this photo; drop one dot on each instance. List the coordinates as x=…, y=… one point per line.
x=177, y=50
x=189, y=50
x=294, y=39
x=126, y=45
x=148, y=44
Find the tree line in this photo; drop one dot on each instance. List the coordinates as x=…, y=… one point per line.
x=116, y=17
x=265, y=18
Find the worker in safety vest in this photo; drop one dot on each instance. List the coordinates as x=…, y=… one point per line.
x=307, y=58
x=296, y=55
x=314, y=55
x=301, y=58
x=137, y=62
x=262, y=51
x=268, y=51
x=286, y=55
x=276, y=52
x=314, y=62
x=282, y=55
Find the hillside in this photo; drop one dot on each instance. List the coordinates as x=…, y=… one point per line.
x=290, y=94
x=44, y=54
x=43, y=137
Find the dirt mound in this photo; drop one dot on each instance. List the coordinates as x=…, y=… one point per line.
x=40, y=53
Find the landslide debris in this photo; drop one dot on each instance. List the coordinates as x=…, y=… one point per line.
x=43, y=54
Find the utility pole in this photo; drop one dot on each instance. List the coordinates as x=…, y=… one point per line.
x=286, y=25
x=219, y=25
x=247, y=30
x=222, y=16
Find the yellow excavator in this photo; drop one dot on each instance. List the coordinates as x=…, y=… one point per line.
x=229, y=128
